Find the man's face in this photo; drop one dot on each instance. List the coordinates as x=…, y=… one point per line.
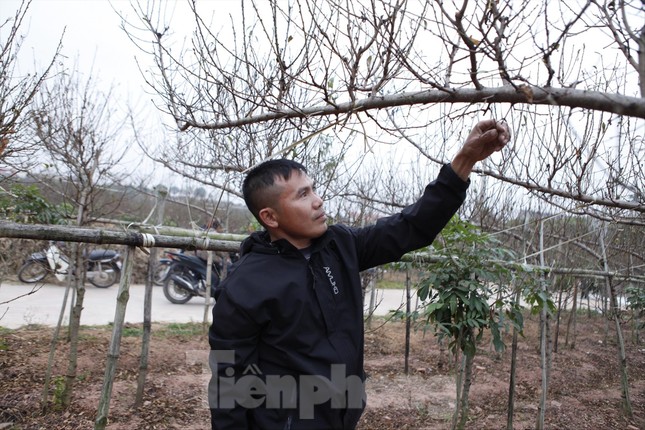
x=298, y=211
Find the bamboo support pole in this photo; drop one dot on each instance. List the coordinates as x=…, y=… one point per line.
x=192, y=240
x=115, y=342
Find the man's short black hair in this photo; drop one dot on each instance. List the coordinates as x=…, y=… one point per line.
x=262, y=177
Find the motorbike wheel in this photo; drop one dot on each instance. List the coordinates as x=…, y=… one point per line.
x=33, y=271
x=106, y=278
x=174, y=293
x=160, y=272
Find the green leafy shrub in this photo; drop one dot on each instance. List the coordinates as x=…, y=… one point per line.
x=25, y=204
x=466, y=289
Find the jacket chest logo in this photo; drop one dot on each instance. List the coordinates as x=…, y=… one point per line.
x=332, y=281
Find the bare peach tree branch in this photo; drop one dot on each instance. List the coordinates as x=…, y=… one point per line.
x=245, y=85
x=17, y=87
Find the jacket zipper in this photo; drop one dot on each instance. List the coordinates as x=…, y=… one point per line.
x=313, y=276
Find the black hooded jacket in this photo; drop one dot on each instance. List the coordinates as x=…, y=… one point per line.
x=287, y=317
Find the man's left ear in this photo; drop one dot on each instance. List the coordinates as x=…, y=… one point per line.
x=269, y=217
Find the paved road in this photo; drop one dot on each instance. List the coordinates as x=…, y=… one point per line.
x=43, y=305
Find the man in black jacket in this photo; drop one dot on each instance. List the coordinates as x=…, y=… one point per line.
x=287, y=333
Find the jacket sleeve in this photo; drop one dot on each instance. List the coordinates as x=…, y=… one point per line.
x=233, y=338
x=414, y=227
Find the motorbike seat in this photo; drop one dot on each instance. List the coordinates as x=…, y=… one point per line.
x=102, y=254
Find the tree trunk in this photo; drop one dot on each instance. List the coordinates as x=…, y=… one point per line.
x=54, y=343
x=545, y=365
x=468, y=371
x=78, y=271
x=615, y=315
x=573, y=317
x=622, y=359
x=372, y=304
x=147, y=330
x=544, y=348
x=207, y=292
x=549, y=346
x=511, y=384
x=557, y=316
x=408, y=319
x=637, y=328
x=75, y=324
x=459, y=384
x=606, y=311
x=641, y=60
x=162, y=193
x=115, y=342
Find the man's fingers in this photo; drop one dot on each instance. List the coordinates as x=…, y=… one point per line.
x=504, y=132
x=489, y=135
x=495, y=138
x=487, y=124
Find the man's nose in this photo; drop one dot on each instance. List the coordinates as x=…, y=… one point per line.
x=318, y=202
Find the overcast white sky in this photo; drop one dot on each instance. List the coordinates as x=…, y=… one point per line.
x=93, y=37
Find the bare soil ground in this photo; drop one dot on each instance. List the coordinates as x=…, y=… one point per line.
x=584, y=390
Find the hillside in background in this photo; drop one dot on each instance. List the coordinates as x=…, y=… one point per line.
x=186, y=208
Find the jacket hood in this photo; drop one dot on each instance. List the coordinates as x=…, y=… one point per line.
x=258, y=241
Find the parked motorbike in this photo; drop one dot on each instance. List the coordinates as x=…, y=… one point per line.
x=186, y=278
x=161, y=270
x=102, y=266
